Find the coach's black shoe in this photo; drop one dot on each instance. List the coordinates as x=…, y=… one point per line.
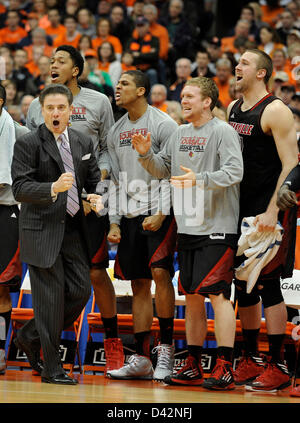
x=33, y=356
x=62, y=379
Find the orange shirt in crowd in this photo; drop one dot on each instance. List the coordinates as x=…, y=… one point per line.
x=126, y=68
x=163, y=107
x=276, y=46
x=104, y=67
x=96, y=43
x=12, y=37
x=162, y=34
x=48, y=51
x=63, y=40
x=227, y=44
x=44, y=22
x=224, y=95
x=288, y=71
x=33, y=68
x=270, y=15
x=55, y=32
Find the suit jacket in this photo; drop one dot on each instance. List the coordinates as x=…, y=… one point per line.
x=36, y=165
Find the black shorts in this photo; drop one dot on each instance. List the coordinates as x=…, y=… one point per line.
x=206, y=264
x=98, y=230
x=141, y=250
x=10, y=264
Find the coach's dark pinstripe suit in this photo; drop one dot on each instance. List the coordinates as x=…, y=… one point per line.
x=54, y=245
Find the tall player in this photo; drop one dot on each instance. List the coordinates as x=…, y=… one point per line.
x=146, y=233
x=91, y=114
x=266, y=128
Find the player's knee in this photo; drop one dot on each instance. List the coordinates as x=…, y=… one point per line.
x=271, y=294
x=97, y=276
x=141, y=287
x=243, y=298
x=217, y=298
x=160, y=275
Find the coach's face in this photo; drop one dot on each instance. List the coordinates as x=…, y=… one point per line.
x=127, y=93
x=56, y=111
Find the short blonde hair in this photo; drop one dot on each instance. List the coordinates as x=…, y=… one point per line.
x=208, y=88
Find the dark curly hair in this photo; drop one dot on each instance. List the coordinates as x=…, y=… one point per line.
x=75, y=56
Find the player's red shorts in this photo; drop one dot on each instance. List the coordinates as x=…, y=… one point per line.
x=206, y=264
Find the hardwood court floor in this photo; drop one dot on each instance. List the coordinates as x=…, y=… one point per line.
x=21, y=387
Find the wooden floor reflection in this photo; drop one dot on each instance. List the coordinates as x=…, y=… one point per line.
x=23, y=387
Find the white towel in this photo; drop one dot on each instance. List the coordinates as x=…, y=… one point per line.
x=258, y=247
x=7, y=142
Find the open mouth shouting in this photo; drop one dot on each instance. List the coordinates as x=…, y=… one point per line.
x=54, y=77
x=55, y=124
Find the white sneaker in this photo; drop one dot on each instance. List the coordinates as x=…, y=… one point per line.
x=165, y=361
x=138, y=367
x=2, y=362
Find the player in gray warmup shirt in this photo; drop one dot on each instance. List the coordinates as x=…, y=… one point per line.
x=10, y=264
x=208, y=152
x=92, y=114
x=218, y=168
x=144, y=227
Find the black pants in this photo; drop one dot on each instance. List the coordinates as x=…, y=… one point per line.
x=59, y=294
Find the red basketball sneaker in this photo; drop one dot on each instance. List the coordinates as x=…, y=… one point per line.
x=275, y=377
x=248, y=369
x=114, y=354
x=221, y=377
x=190, y=374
